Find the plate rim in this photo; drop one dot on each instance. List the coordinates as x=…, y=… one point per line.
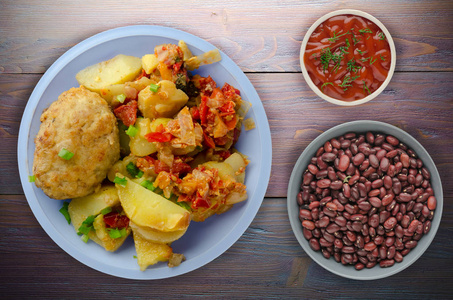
x=129, y=31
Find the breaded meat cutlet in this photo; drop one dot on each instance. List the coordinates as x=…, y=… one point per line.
x=81, y=122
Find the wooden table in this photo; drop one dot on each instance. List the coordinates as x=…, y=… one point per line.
x=263, y=38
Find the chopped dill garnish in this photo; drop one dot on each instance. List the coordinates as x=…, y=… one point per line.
x=361, y=52
x=347, y=43
x=351, y=66
x=327, y=56
x=372, y=61
x=382, y=58
x=354, y=39
x=365, y=87
x=364, y=59
x=365, y=30
x=336, y=37
x=325, y=84
x=381, y=36
x=347, y=80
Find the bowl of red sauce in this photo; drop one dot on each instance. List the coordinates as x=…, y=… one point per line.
x=347, y=57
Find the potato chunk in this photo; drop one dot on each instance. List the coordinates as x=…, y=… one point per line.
x=166, y=102
x=149, y=253
x=149, y=63
x=156, y=236
x=120, y=69
x=148, y=209
x=138, y=144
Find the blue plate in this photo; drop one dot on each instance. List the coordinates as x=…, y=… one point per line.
x=203, y=242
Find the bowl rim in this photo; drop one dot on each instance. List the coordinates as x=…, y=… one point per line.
x=293, y=207
x=359, y=13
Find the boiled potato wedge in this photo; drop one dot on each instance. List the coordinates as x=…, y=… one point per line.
x=238, y=163
x=166, y=102
x=120, y=69
x=138, y=144
x=110, y=92
x=148, y=209
x=81, y=208
x=149, y=253
x=156, y=236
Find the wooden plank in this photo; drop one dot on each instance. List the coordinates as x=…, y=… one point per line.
x=419, y=103
x=266, y=262
x=259, y=37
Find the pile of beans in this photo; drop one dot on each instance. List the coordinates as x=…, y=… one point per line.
x=365, y=199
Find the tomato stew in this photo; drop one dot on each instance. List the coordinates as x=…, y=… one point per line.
x=347, y=57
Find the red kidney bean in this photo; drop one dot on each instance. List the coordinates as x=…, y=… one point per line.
x=369, y=246
x=382, y=252
x=343, y=163
x=314, y=244
x=328, y=157
x=358, y=159
x=308, y=224
x=432, y=203
x=375, y=201
x=390, y=223
x=389, y=241
x=410, y=244
x=398, y=257
x=426, y=227
x=323, y=183
x=332, y=228
x=312, y=169
x=304, y=214
x=385, y=263
x=307, y=233
x=377, y=183
x=404, y=158
x=328, y=147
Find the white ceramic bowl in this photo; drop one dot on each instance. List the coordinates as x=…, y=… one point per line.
x=296, y=179
x=348, y=12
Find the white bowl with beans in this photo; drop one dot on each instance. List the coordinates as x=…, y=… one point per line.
x=365, y=200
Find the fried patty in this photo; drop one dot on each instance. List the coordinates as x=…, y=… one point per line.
x=81, y=122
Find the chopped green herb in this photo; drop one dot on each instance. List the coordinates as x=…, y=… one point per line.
x=64, y=211
x=133, y=170
x=120, y=181
x=354, y=39
x=347, y=80
x=87, y=225
x=347, y=44
x=132, y=131
x=326, y=84
x=361, y=52
x=364, y=59
x=346, y=179
x=336, y=37
x=365, y=87
x=65, y=154
x=31, y=178
x=372, y=61
x=121, y=98
x=352, y=67
x=106, y=210
x=84, y=238
x=114, y=233
x=382, y=58
x=148, y=184
x=154, y=87
x=135, y=256
x=381, y=36
x=365, y=30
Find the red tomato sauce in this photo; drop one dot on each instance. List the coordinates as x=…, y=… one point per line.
x=347, y=57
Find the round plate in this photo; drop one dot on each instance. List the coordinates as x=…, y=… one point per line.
x=362, y=126
x=204, y=241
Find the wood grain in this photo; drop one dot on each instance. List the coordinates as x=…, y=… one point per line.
x=262, y=36
x=296, y=116
x=267, y=260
